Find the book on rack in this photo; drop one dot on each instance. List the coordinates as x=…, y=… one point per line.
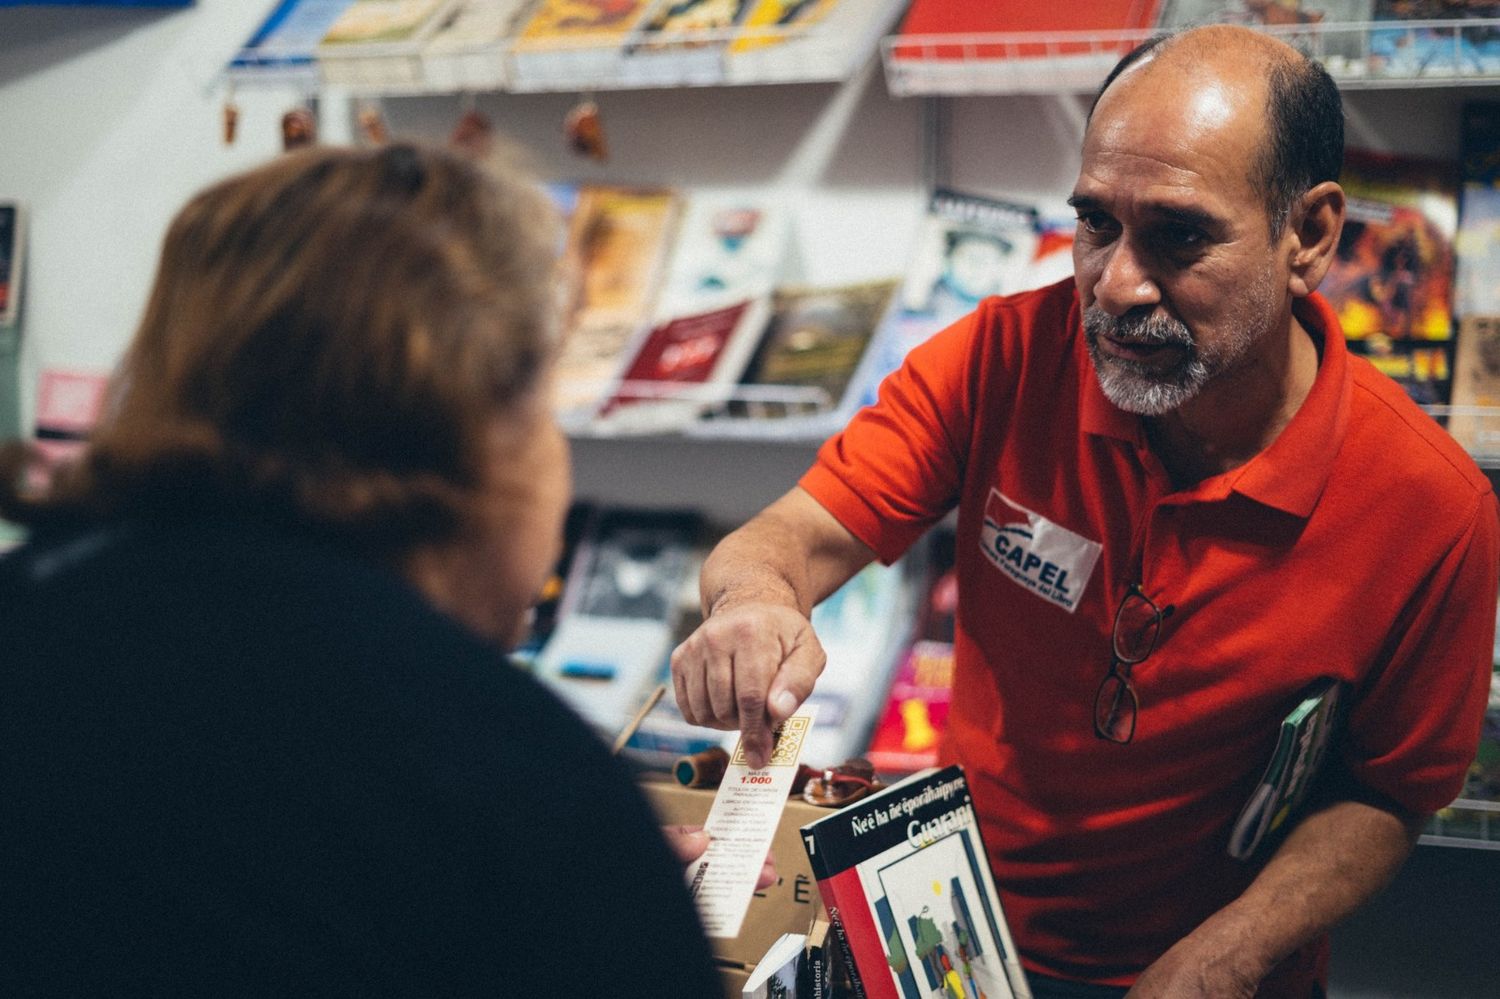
x=1427, y=49
x=1339, y=50
x=378, y=43
x=806, y=368
x=683, y=367
x=906, y=881
x=772, y=22
x=567, y=44
x=728, y=249
x=1041, y=57
x=1476, y=361
x=1476, y=383
x=802, y=40
x=967, y=247
x=68, y=406
x=466, y=51
x=545, y=614
x=12, y=260
x=911, y=724
x=616, y=621
x=682, y=42
x=1482, y=782
x=1302, y=745
x=864, y=628
x=1391, y=279
x=286, y=42
x=1478, y=244
x=1393, y=270
x=617, y=244
x=1177, y=14
x=714, y=303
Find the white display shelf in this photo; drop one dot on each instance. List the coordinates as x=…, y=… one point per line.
x=1367, y=54
x=1466, y=823
x=830, y=49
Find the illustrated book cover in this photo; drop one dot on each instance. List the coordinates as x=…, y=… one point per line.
x=728, y=249
x=1393, y=271
x=810, y=352
x=725, y=261
x=967, y=247
x=617, y=244
x=1306, y=735
x=681, y=368
x=616, y=620
x=910, y=898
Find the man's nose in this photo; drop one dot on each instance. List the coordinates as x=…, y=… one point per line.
x=1125, y=283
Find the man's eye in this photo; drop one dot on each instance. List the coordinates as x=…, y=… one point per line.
x=1182, y=237
x=1095, y=223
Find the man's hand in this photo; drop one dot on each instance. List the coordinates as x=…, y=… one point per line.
x=749, y=667
x=689, y=842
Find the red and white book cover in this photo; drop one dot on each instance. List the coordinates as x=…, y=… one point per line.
x=906, y=881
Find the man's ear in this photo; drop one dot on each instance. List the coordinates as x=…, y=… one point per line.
x=1313, y=234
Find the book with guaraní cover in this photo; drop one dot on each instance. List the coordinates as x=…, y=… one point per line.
x=911, y=902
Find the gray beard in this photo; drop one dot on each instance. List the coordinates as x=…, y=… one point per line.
x=1146, y=390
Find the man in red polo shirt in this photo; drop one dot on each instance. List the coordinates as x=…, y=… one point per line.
x=1176, y=440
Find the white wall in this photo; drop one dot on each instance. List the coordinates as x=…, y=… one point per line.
x=109, y=120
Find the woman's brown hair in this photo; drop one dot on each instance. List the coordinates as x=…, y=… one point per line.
x=329, y=339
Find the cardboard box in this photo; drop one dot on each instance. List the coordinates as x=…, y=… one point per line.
x=789, y=906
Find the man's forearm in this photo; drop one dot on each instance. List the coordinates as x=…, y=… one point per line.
x=1334, y=861
x=793, y=553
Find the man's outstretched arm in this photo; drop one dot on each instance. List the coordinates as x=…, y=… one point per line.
x=755, y=657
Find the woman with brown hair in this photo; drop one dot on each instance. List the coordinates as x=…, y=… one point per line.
x=257, y=734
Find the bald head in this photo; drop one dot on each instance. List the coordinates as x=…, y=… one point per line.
x=1226, y=70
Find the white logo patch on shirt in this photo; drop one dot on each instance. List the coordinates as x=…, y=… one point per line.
x=1046, y=558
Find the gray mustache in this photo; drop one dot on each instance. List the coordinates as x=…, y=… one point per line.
x=1141, y=329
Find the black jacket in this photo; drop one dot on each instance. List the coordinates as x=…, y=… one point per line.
x=238, y=761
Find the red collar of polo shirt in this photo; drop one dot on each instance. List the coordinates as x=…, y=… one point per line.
x=1291, y=473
